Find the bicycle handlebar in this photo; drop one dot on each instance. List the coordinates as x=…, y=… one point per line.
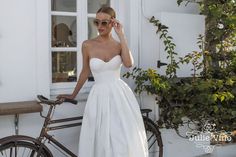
x=73, y=101
x=55, y=102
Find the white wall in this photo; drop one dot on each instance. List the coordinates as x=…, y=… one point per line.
x=18, y=63
x=17, y=50
x=152, y=6
x=24, y=62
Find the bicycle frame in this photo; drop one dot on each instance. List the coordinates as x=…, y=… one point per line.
x=38, y=144
x=46, y=128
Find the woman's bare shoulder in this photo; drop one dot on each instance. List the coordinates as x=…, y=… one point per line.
x=86, y=43
x=89, y=42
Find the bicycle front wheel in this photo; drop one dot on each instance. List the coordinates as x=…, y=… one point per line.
x=155, y=145
x=21, y=149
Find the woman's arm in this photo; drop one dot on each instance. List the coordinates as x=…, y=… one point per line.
x=83, y=75
x=126, y=55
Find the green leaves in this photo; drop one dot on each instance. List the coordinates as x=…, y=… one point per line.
x=179, y=2
x=169, y=46
x=198, y=100
x=223, y=96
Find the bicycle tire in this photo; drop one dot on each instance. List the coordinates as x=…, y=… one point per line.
x=155, y=144
x=21, y=149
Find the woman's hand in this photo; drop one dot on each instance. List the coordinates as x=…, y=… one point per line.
x=118, y=27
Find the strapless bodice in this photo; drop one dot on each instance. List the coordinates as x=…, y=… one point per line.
x=104, y=72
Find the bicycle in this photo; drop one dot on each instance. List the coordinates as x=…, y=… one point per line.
x=20, y=145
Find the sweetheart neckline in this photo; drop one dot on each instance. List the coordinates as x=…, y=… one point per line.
x=103, y=60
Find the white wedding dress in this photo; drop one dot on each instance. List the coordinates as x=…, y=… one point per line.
x=112, y=123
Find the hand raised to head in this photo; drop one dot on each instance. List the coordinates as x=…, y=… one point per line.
x=118, y=27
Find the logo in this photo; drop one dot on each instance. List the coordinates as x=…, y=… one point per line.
x=208, y=137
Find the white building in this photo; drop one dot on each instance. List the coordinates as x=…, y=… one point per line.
x=31, y=62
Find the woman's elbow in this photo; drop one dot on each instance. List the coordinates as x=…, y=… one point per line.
x=128, y=65
x=84, y=73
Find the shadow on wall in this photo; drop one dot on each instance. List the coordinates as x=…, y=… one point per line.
x=0, y=75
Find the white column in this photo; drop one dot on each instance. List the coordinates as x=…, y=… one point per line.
x=135, y=29
x=43, y=55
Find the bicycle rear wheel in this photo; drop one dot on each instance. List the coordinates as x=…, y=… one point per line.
x=21, y=149
x=155, y=145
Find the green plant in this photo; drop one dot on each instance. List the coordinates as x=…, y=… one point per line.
x=199, y=100
x=208, y=96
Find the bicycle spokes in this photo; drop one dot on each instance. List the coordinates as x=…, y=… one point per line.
x=20, y=149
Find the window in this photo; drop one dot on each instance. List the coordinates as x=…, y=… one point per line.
x=71, y=24
x=64, y=40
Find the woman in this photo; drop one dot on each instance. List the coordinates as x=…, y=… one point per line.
x=112, y=123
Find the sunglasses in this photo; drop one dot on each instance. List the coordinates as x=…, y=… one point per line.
x=103, y=23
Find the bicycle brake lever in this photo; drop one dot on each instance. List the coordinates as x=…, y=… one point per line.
x=45, y=100
x=41, y=97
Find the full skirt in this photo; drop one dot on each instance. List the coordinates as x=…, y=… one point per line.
x=112, y=123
